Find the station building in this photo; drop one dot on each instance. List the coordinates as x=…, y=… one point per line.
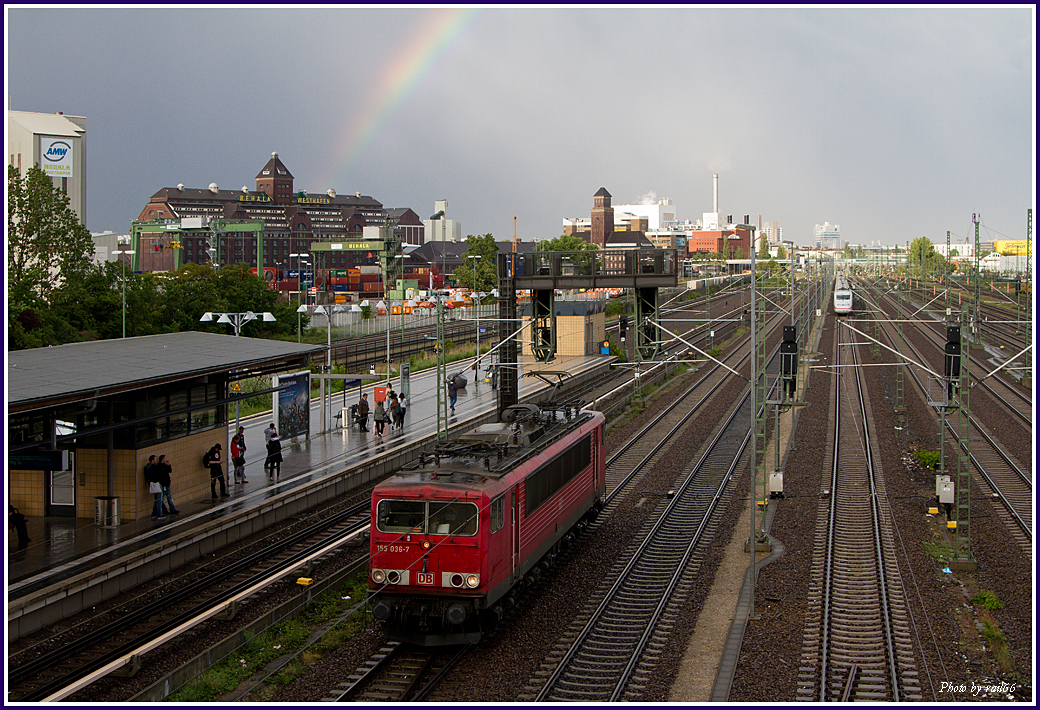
x=83, y=418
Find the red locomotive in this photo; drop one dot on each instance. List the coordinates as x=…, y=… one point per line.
x=457, y=536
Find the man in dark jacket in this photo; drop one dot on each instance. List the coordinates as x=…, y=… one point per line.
x=362, y=412
x=163, y=471
x=216, y=472
x=453, y=394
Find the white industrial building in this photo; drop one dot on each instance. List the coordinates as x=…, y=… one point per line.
x=828, y=236
x=58, y=144
x=439, y=228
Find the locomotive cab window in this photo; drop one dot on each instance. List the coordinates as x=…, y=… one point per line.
x=401, y=516
x=453, y=519
x=422, y=517
x=498, y=513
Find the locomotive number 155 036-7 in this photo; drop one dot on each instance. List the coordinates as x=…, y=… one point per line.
x=391, y=548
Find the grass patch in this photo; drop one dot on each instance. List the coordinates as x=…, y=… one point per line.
x=997, y=644
x=987, y=599
x=928, y=459
x=939, y=551
x=283, y=640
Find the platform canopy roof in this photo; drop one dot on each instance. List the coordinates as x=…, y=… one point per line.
x=63, y=374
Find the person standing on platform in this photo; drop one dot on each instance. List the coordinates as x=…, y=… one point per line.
x=379, y=416
x=453, y=394
x=362, y=413
x=268, y=432
x=242, y=446
x=395, y=412
x=164, y=472
x=151, y=478
x=401, y=411
x=216, y=471
x=274, y=458
x=18, y=522
x=237, y=459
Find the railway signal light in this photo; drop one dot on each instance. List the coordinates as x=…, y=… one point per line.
x=789, y=360
x=623, y=326
x=952, y=359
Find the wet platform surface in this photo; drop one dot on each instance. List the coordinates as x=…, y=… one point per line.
x=61, y=547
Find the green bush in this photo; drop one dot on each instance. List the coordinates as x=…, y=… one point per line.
x=928, y=459
x=987, y=599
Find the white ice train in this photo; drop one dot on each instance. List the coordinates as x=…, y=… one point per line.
x=842, y=294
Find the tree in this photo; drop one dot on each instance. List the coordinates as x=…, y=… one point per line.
x=46, y=244
x=922, y=253
x=781, y=253
x=763, y=247
x=480, y=274
x=565, y=242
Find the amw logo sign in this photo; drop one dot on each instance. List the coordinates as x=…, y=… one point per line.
x=56, y=156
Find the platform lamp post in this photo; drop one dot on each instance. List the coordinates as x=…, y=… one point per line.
x=299, y=291
x=476, y=304
x=237, y=320
x=119, y=252
x=326, y=311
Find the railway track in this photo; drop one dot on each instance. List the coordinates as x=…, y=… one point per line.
x=399, y=673
x=857, y=644
x=60, y=668
x=997, y=473
x=612, y=647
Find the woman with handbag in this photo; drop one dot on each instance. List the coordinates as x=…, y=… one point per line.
x=155, y=488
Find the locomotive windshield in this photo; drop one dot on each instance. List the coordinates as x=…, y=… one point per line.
x=423, y=517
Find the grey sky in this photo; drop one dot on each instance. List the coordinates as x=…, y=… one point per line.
x=893, y=123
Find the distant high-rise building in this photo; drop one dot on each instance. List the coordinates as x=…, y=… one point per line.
x=58, y=144
x=828, y=236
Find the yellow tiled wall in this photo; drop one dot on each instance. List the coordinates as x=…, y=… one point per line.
x=189, y=479
x=575, y=335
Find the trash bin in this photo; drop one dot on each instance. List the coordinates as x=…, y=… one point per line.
x=106, y=511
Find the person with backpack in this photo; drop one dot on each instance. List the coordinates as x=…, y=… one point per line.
x=211, y=459
x=395, y=413
x=379, y=416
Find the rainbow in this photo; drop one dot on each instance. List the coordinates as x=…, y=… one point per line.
x=398, y=81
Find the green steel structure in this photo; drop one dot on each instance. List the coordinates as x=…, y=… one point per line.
x=962, y=555
x=172, y=228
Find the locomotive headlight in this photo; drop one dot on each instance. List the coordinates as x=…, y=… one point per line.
x=472, y=580
x=393, y=576
x=456, y=580
x=378, y=576
x=426, y=544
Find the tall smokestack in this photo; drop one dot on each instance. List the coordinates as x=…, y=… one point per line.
x=715, y=192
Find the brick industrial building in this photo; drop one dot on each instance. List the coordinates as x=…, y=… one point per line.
x=292, y=219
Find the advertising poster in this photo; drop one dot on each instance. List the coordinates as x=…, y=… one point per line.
x=292, y=405
x=56, y=156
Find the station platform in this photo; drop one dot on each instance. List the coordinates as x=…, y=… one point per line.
x=71, y=551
